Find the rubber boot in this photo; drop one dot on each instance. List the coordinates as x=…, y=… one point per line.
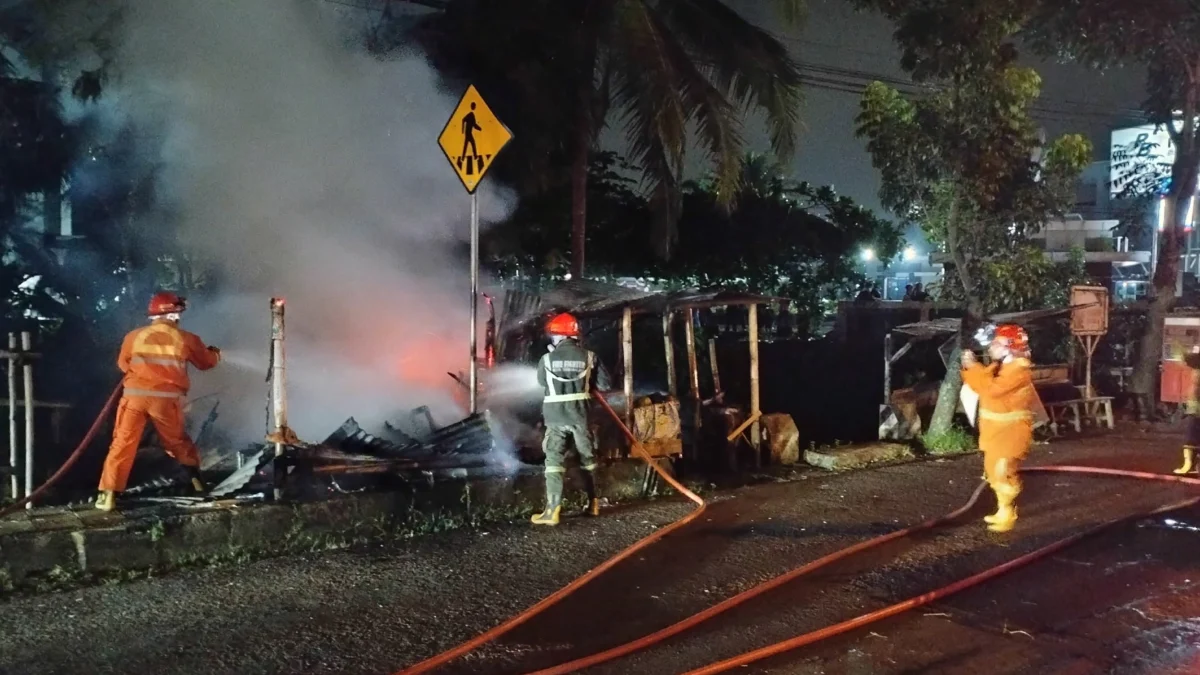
x=106, y=500
x=589, y=486
x=197, y=482
x=547, y=517
x=1006, y=516
x=1189, y=456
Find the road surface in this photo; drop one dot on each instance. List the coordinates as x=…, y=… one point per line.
x=1126, y=602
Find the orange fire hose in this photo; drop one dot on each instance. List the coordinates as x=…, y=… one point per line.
x=74, y=457
x=961, y=584
x=557, y=596
x=730, y=603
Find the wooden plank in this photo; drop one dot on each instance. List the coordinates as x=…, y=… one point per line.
x=627, y=355
x=693, y=374
x=755, y=411
x=669, y=352
x=716, y=370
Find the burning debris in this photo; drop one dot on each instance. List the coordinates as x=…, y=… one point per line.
x=460, y=449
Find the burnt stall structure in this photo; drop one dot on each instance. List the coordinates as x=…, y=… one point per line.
x=286, y=466
x=903, y=412
x=667, y=426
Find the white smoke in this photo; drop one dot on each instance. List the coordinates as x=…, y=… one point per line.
x=304, y=168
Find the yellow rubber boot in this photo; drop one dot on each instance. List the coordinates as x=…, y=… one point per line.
x=593, y=507
x=1189, y=456
x=547, y=517
x=106, y=500
x=198, y=484
x=1005, y=517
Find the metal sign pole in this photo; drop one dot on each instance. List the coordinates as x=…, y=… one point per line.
x=474, y=300
x=471, y=140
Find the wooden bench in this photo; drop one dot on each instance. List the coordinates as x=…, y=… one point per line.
x=1095, y=409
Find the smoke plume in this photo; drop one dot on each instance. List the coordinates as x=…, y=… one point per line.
x=302, y=167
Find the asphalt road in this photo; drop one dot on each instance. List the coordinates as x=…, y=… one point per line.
x=1126, y=601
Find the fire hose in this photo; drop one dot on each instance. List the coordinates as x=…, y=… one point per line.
x=72, y=459
x=561, y=594
x=810, y=637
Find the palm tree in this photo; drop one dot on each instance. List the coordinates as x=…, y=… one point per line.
x=672, y=70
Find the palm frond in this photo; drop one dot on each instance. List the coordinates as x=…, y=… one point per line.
x=750, y=64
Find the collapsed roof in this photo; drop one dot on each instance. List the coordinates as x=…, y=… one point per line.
x=594, y=299
x=924, y=330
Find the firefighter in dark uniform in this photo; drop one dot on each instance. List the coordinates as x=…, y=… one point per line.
x=1191, y=440
x=568, y=375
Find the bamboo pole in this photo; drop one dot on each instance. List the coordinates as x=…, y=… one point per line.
x=13, y=457
x=27, y=371
x=716, y=370
x=627, y=355
x=755, y=412
x=669, y=351
x=693, y=376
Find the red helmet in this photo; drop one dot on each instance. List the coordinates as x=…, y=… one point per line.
x=1012, y=336
x=166, y=302
x=563, y=324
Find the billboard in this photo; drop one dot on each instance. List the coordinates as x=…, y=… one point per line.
x=1140, y=160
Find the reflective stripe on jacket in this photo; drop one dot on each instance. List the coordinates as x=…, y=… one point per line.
x=568, y=374
x=155, y=358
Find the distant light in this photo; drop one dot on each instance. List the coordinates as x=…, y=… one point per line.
x=910, y=253
x=868, y=254
x=567, y=276
x=1162, y=214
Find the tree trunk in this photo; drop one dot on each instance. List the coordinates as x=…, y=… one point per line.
x=585, y=132
x=579, y=183
x=947, y=400
x=948, y=393
x=1166, y=275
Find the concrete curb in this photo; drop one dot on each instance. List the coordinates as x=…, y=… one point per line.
x=49, y=548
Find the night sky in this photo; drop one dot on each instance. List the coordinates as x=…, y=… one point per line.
x=842, y=50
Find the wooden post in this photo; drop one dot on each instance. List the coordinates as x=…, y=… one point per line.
x=27, y=369
x=627, y=356
x=887, y=367
x=13, y=457
x=716, y=369
x=1089, y=345
x=693, y=379
x=669, y=351
x=754, y=402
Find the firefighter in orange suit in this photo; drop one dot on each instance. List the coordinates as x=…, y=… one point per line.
x=1191, y=439
x=154, y=359
x=1006, y=402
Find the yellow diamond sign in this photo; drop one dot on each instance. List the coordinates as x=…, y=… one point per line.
x=472, y=139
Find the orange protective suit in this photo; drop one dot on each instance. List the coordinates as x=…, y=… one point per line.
x=154, y=359
x=1006, y=402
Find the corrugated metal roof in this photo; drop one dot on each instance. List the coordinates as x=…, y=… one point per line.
x=923, y=330
x=594, y=299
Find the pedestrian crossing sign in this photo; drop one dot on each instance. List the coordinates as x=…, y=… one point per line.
x=472, y=138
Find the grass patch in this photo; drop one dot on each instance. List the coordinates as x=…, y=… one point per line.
x=953, y=441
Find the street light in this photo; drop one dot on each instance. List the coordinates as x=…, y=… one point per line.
x=868, y=254
x=910, y=253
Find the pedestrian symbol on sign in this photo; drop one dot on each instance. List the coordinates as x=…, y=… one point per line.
x=469, y=127
x=472, y=138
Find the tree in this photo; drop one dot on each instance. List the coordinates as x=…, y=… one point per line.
x=963, y=158
x=1164, y=38
x=671, y=69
